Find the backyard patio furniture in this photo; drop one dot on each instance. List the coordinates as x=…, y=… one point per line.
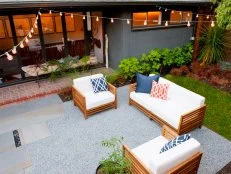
x=147, y=159
x=183, y=111
x=88, y=101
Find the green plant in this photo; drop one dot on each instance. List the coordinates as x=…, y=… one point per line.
x=213, y=43
x=129, y=66
x=111, y=78
x=223, y=13
x=115, y=163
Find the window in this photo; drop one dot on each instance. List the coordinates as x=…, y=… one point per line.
x=178, y=17
x=142, y=19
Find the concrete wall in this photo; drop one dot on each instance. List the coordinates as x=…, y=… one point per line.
x=123, y=42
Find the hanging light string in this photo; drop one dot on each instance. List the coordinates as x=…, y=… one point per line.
x=97, y=18
x=182, y=12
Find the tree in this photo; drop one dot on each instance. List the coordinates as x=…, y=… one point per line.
x=223, y=13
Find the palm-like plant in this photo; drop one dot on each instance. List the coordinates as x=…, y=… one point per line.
x=213, y=44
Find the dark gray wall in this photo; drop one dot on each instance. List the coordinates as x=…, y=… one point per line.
x=123, y=42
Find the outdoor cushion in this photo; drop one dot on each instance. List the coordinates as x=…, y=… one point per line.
x=159, y=90
x=99, y=84
x=148, y=150
x=161, y=163
x=83, y=84
x=97, y=99
x=176, y=141
x=144, y=83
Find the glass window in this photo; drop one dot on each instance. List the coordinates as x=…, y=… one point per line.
x=142, y=19
x=178, y=17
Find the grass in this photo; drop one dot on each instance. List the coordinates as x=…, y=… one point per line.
x=218, y=112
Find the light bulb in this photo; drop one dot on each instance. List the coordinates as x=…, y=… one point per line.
x=14, y=50
x=173, y=11
x=207, y=17
x=83, y=17
x=159, y=8
x=197, y=15
x=9, y=57
x=37, y=18
x=71, y=15
x=50, y=12
x=188, y=24
x=39, y=13
x=212, y=24
x=32, y=30
x=26, y=40
x=166, y=23
x=128, y=22
x=60, y=14
x=30, y=35
x=145, y=22
x=21, y=45
x=180, y=13
x=188, y=14
x=97, y=18
x=166, y=10
x=112, y=20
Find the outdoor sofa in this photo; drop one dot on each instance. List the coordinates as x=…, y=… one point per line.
x=147, y=159
x=183, y=111
x=88, y=101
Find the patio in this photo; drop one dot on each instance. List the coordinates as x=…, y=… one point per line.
x=74, y=143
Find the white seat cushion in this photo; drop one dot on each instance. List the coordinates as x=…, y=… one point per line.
x=165, y=109
x=162, y=163
x=97, y=99
x=150, y=149
x=83, y=84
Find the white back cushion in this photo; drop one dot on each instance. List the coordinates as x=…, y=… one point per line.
x=165, y=161
x=83, y=84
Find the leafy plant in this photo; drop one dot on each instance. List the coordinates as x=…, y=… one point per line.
x=115, y=163
x=213, y=43
x=223, y=13
x=129, y=66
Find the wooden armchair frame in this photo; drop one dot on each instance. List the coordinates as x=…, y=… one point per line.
x=188, y=121
x=80, y=101
x=189, y=166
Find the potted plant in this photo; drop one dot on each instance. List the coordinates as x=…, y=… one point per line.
x=115, y=162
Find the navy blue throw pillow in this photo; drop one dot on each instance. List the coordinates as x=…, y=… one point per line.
x=99, y=84
x=144, y=83
x=172, y=143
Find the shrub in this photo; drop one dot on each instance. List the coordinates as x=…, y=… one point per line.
x=111, y=78
x=129, y=66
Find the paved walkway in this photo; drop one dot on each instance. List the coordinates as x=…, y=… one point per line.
x=26, y=91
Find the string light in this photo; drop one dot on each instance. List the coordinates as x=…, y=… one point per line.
x=159, y=8
x=145, y=22
x=30, y=35
x=197, y=15
x=21, y=44
x=26, y=40
x=37, y=18
x=166, y=10
x=9, y=57
x=128, y=21
x=83, y=17
x=71, y=15
x=188, y=14
x=166, y=23
x=173, y=11
x=32, y=30
x=50, y=12
x=14, y=50
x=39, y=13
x=112, y=20
x=60, y=13
x=35, y=26
x=97, y=18
x=180, y=13
x=207, y=17
x=212, y=24
x=188, y=24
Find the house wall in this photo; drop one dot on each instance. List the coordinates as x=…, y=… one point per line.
x=123, y=42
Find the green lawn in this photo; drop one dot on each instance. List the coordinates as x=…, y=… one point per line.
x=218, y=112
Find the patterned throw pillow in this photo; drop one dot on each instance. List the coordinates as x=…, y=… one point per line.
x=178, y=140
x=99, y=84
x=159, y=90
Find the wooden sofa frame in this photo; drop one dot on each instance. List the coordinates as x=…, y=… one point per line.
x=188, y=121
x=80, y=101
x=189, y=166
